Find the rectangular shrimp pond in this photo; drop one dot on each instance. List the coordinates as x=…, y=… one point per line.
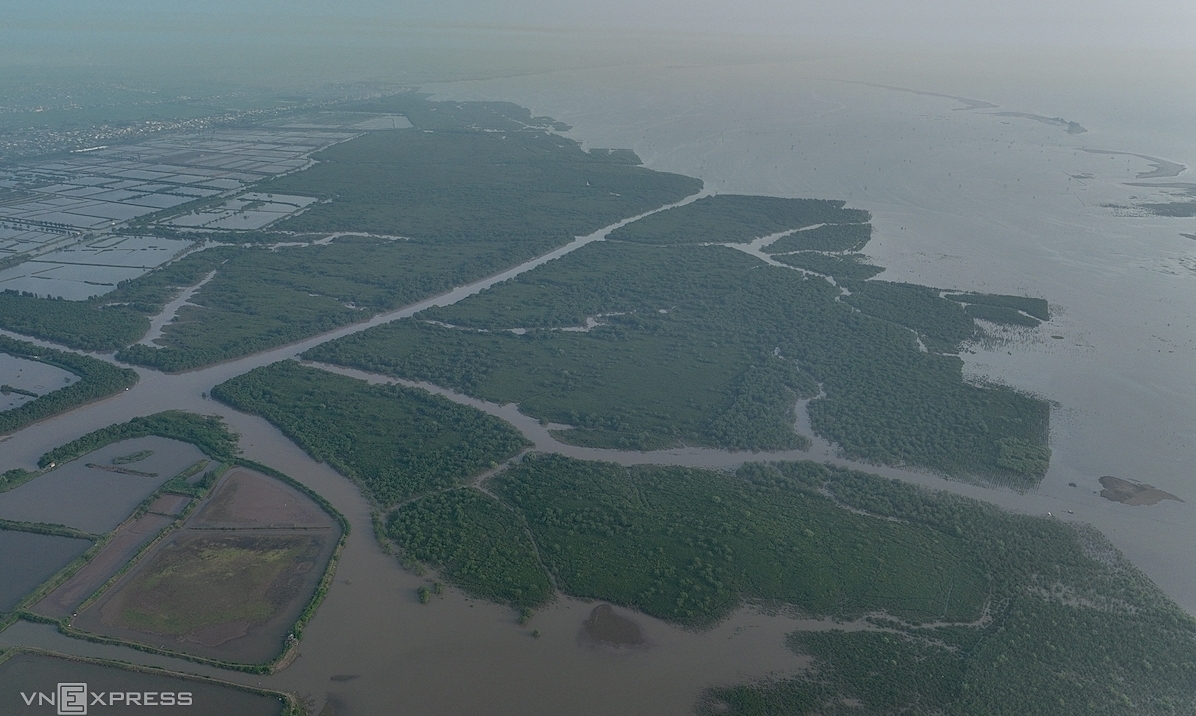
x=98, y=491
x=230, y=584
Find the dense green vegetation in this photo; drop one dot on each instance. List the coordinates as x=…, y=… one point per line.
x=1073, y=629
x=688, y=545
x=395, y=442
x=99, y=379
x=1047, y=617
x=15, y=477
x=734, y=218
x=261, y=298
x=474, y=541
x=851, y=267
x=207, y=432
x=941, y=324
x=705, y=345
x=473, y=174
x=831, y=237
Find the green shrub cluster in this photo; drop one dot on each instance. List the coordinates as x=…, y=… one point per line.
x=831, y=237
x=395, y=442
x=476, y=542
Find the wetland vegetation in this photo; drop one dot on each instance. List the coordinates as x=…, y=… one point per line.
x=706, y=345
x=395, y=442
x=476, y=542
x=966, y=608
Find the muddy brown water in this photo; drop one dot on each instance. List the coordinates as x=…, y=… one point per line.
x=606, y=626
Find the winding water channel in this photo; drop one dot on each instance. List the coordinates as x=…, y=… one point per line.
x=373, y=648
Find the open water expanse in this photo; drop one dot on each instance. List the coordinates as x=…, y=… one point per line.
x=961, y=199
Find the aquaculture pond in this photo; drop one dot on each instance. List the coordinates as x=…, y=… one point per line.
x=98, y=491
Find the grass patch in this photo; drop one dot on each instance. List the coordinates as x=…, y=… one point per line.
x=395, y=442
x=205, y=581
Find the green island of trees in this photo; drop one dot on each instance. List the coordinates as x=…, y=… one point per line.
x=830, y=237
x=734, y=218
x=99, y=379
x=707, y=345
x=472, y=189
x=207, y=432
x=395, y=442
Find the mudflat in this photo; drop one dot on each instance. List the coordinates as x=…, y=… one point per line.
x=606, y=626
x=1132, y=493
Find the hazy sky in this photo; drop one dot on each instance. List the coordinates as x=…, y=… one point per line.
x=1138, y=22
x=354, y=34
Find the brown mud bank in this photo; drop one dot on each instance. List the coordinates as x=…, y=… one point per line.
x=606, y=626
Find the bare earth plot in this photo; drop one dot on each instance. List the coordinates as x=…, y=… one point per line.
x=231, y=583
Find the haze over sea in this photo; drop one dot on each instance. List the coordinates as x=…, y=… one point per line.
x=972, y=199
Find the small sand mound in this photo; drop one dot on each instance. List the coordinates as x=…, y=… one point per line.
x=605, y=626
x=1132, y=493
